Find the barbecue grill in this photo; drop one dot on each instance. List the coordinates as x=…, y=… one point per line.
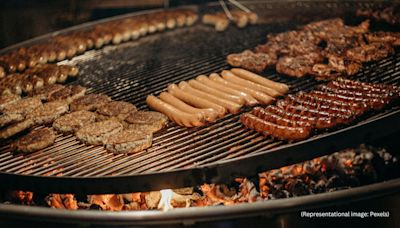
x=181, y=157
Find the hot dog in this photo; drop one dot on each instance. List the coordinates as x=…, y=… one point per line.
x=179, y=117
x=219, y=86
x=208, y=89
x=229, y=76
x=206, y=114
x=230, y=106
x=195, y=101
x=280, y=87
x=261, y=97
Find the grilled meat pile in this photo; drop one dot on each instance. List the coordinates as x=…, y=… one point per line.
x=349, y=168
x=324, y=49
x=339, y=102
x=94, y=118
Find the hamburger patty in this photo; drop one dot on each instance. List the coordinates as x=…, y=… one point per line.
x=34, y=140
x=129, y=141
x=23, y=106
x=16, y=128
x=68, y=93
x=90, y=102
x=48, y=112
x=7, y=119
x=72, y=122
x=97, y=133
x=118, y=109
x=154, y=121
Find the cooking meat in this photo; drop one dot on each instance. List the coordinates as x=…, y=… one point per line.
x=369, y=52
x=219, y=21
x=252, y=61
x=8, y=99
x=16, y=128
x=129, y=141
x=90, y=102
x=97, y=133
x=7, y=119
x=48, y=112
x=68, y=94
x=23, y=106
x=117, y=109
x=46, y=92
x=34, y=141
x=72, y=122
x=153, y=121
x=298, y=66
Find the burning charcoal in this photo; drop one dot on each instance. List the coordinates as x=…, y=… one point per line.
x=297, y=187
x=62, y=201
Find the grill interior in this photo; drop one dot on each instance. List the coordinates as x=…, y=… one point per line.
x=133, y=70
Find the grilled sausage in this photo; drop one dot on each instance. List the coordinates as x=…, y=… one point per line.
x=221, y=87
x=278, y=131
x=229, y=105
x=280, y=87
x=261, y=97
x=179, y=117
x=195, y=101
x=229, y=76
x=207, y=114
x=280, y=120
x=236, y=99
x=220, y=22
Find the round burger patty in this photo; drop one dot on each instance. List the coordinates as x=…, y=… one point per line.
x=154, y=121
x=97, y=133
x=68, y=93
x=16, y=128
x=23, y=106
x=48, y=112
x=90, y=102
x=118, y=109
x=129, y=141
x=7, y=119
x=34, y=140
x=72, y=122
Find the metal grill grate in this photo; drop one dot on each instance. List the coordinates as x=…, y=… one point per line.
x=133, y=70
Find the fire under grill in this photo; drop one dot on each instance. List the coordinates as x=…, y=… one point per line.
x=179, y=156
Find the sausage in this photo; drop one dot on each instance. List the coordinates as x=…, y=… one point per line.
x=229, y=76
x=354, y=107
x=375, y=103
x=368, y=85
x=221, y=87
x=220, y=22
x=195, y=101
x=278, y=131
x=2, y=72
x=240, y=18
x=236, y=99
x=261, y=97
x=280, y=120
x=229, y=105
x=207, y=114
x=174, y=114
x=280, y=87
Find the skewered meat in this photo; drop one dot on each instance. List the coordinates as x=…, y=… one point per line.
x=34, y=141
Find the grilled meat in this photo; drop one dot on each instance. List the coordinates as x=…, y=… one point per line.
x=90, y=102
x=48, y=112
x=153, y=121
x=252, y=61
x=34, y=141
x=46, y=92
x=97, y=133
x=23, y=106
x=117, y=109
x=8, y=99
x=72, y=122
x=129, y=141
x=68, y=94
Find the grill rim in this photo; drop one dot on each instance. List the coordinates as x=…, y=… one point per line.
x=196, y=214
x=215, y=172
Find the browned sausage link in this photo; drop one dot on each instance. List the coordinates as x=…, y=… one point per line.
x=363, y=103
x=13, y=63
x=307, y=107
x=385, y=93
x=280, y=120
x=306, y=112
x=278, y=131
x=365, y=93
x=297, y=100
x=373, y=102
x=354, y=107
x=368, y=85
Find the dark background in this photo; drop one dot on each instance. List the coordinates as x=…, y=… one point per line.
x=24, y=19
